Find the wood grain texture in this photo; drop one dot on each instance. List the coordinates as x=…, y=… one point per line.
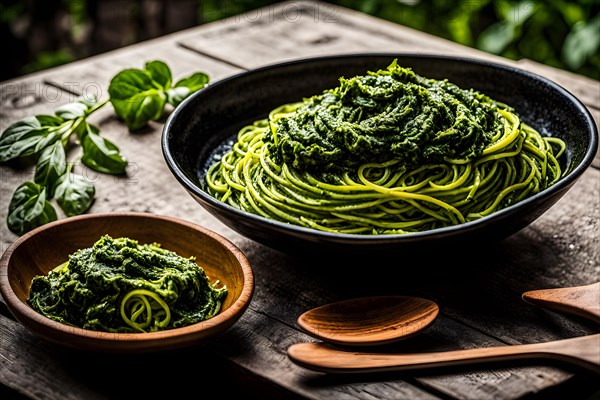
x=478, y=289
x=309, y=29
x=257, y=345
x=581, y=300
x=369, y=321
x=580, y=352
x=92, y=76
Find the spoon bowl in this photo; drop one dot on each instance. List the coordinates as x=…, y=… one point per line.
x=583, y=301
x=581, y=352
x=369, y=321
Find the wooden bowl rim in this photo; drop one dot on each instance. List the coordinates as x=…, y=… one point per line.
x=24, y=313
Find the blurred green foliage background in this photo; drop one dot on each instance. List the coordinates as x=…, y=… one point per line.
x=562, y=34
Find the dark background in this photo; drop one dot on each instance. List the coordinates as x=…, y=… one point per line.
x=38, y=34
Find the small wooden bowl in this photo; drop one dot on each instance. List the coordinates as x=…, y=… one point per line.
x=42, y=249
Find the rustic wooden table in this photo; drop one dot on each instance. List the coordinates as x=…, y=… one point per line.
x=479, y=297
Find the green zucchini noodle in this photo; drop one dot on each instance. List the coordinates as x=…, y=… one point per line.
x=119, y=285
x=146, y=307
x=384, y=196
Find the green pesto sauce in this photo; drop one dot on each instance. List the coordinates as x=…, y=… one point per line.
x=385, y=115
x=88, y=291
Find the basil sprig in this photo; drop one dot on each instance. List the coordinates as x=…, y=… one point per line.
x=45, y=137
x=140, y=95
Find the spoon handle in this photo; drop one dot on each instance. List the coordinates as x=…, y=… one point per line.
x=581, y=351
x=583, y=301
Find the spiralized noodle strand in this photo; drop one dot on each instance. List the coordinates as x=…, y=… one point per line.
x=142, y=302
x=384, y=197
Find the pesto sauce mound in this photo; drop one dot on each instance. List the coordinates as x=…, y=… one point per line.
x=391, y=114
x=89, y=291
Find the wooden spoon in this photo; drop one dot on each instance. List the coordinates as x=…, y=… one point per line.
x=580, y=351
x=369, y=321
x=583, y=301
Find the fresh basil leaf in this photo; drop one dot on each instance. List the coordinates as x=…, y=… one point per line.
x=23, y=193
x=101, y=155
x=194, y=82
x=160, y=73
x=91, y=102
x=51, y=165
x=71, y=110
x=136, y=98
x=20, y=138
x=49, y=120
x=29, y=136
x=78, y=109
x=52, y=135
x=74, y=194
x=177, y=94
x=31, y=213
x=185, y=87
x=22, y=148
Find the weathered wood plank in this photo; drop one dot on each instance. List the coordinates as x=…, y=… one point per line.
x=294, y=29
x=443, y=335
x=290, y=30
x=256, y=343
x=28, y=365
x=20, y=99
x=287, y=285
x=311, y=281
x=92, y=76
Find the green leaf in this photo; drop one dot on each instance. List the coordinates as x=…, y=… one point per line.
x=31, y=135
x=185, y=87
x=139, y=96
x=51, y=165
x=497, y=37
x=91, y=102
x=193, y=82
x=53, y=135
x=81, y=108
x=177, y=94
x=581, y=43
x=71, y=110
x=20, y=139
x=74, y=194
x=29, y=209
x=160, y=73
x=49, y=120
x=23, y=193
x=136, y=98
x=517, y=13
x=101, y=155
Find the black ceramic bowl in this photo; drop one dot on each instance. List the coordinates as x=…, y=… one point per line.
x=215, y=114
